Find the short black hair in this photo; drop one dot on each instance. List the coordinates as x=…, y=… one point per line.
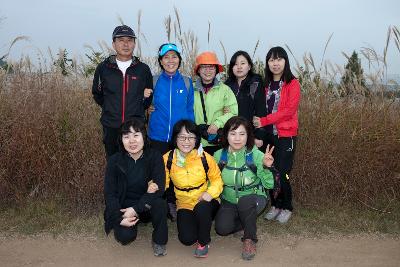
x=278, y=52
x=160, y=57
x=231, y=76
x=138, y=126
x=234, y=123
x=190, y=127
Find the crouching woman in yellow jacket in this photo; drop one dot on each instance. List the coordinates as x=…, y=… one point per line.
x=197, y=185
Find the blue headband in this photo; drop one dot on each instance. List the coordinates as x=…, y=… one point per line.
x=168, y=47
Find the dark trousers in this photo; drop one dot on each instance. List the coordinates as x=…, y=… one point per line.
x=283, y=156
x=164, y=147
x=195, y=225
x=211, y=149
x=158, y=217
x=110, y=140
x=231, y=218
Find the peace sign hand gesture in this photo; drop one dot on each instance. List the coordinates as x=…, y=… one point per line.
x=268, y=159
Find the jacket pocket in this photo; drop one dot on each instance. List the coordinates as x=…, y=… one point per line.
x=286, y=125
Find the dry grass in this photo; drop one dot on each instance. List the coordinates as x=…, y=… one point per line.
x=51, y=218
x=51, y=145
x=347, y=152
x=50, y=140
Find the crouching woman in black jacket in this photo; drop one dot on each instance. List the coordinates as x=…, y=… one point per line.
x=133, y=189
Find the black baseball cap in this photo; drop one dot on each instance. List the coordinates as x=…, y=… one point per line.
x=122, y=31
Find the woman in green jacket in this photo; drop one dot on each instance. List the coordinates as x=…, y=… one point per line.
x=210, y=98
x=246, y=175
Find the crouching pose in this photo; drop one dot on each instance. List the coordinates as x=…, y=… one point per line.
x=133, y=188
x=245, y=175
x=197, y=184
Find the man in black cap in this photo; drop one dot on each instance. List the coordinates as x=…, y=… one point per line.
x=122, y=86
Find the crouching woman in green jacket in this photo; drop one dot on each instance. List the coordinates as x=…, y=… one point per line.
x=244, y=170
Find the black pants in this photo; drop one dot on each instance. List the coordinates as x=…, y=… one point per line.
x=110, y=140
x=231, y=218
x=158, y=217
x=164, y=147
x=195, y=225
x=284, y=156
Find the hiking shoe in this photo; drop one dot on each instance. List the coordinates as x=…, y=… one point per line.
x=159, y=250
x=272, y=213
x=249, y=249
x=284, y=216
x=172, y=214
x=201, y=251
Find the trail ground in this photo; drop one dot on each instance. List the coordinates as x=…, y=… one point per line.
x=46, y=250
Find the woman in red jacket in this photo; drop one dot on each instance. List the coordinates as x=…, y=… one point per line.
x=282, y=97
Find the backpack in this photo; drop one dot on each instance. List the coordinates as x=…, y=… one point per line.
x=205, y=166
x=186, y=80
x=249, y=165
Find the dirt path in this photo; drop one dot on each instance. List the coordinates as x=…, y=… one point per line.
x=283, y=251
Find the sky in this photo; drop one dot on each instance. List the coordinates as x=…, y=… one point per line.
x=304, y=26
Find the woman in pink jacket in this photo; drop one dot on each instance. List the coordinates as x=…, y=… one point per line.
x=280, y=126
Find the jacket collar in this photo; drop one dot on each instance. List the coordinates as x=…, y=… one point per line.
x=177, y=73
x=199, y=86
x=244, y=150
x=250, y=79
x=237, y=152
x=113, y=60
x=123, y=161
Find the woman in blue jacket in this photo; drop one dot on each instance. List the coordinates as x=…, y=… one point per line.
x=173, y=100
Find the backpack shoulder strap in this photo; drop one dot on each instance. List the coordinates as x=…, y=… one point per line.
x=155, y=79
x=186, y=79
x=203, y=106
x=250, y=162
x=205, y=164
x=223, y=160
x=253, y=89
x=169, y=160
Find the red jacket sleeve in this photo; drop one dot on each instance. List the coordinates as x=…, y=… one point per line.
x=286, y=111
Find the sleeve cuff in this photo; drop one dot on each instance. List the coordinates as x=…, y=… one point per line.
x=264, y=121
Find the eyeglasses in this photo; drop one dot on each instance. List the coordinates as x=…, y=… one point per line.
x=183, y=138
x=207, y=67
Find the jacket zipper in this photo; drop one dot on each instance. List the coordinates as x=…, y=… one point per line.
x=123, y=98
x=235, y=178
x=170, y=106
x=125, y=85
